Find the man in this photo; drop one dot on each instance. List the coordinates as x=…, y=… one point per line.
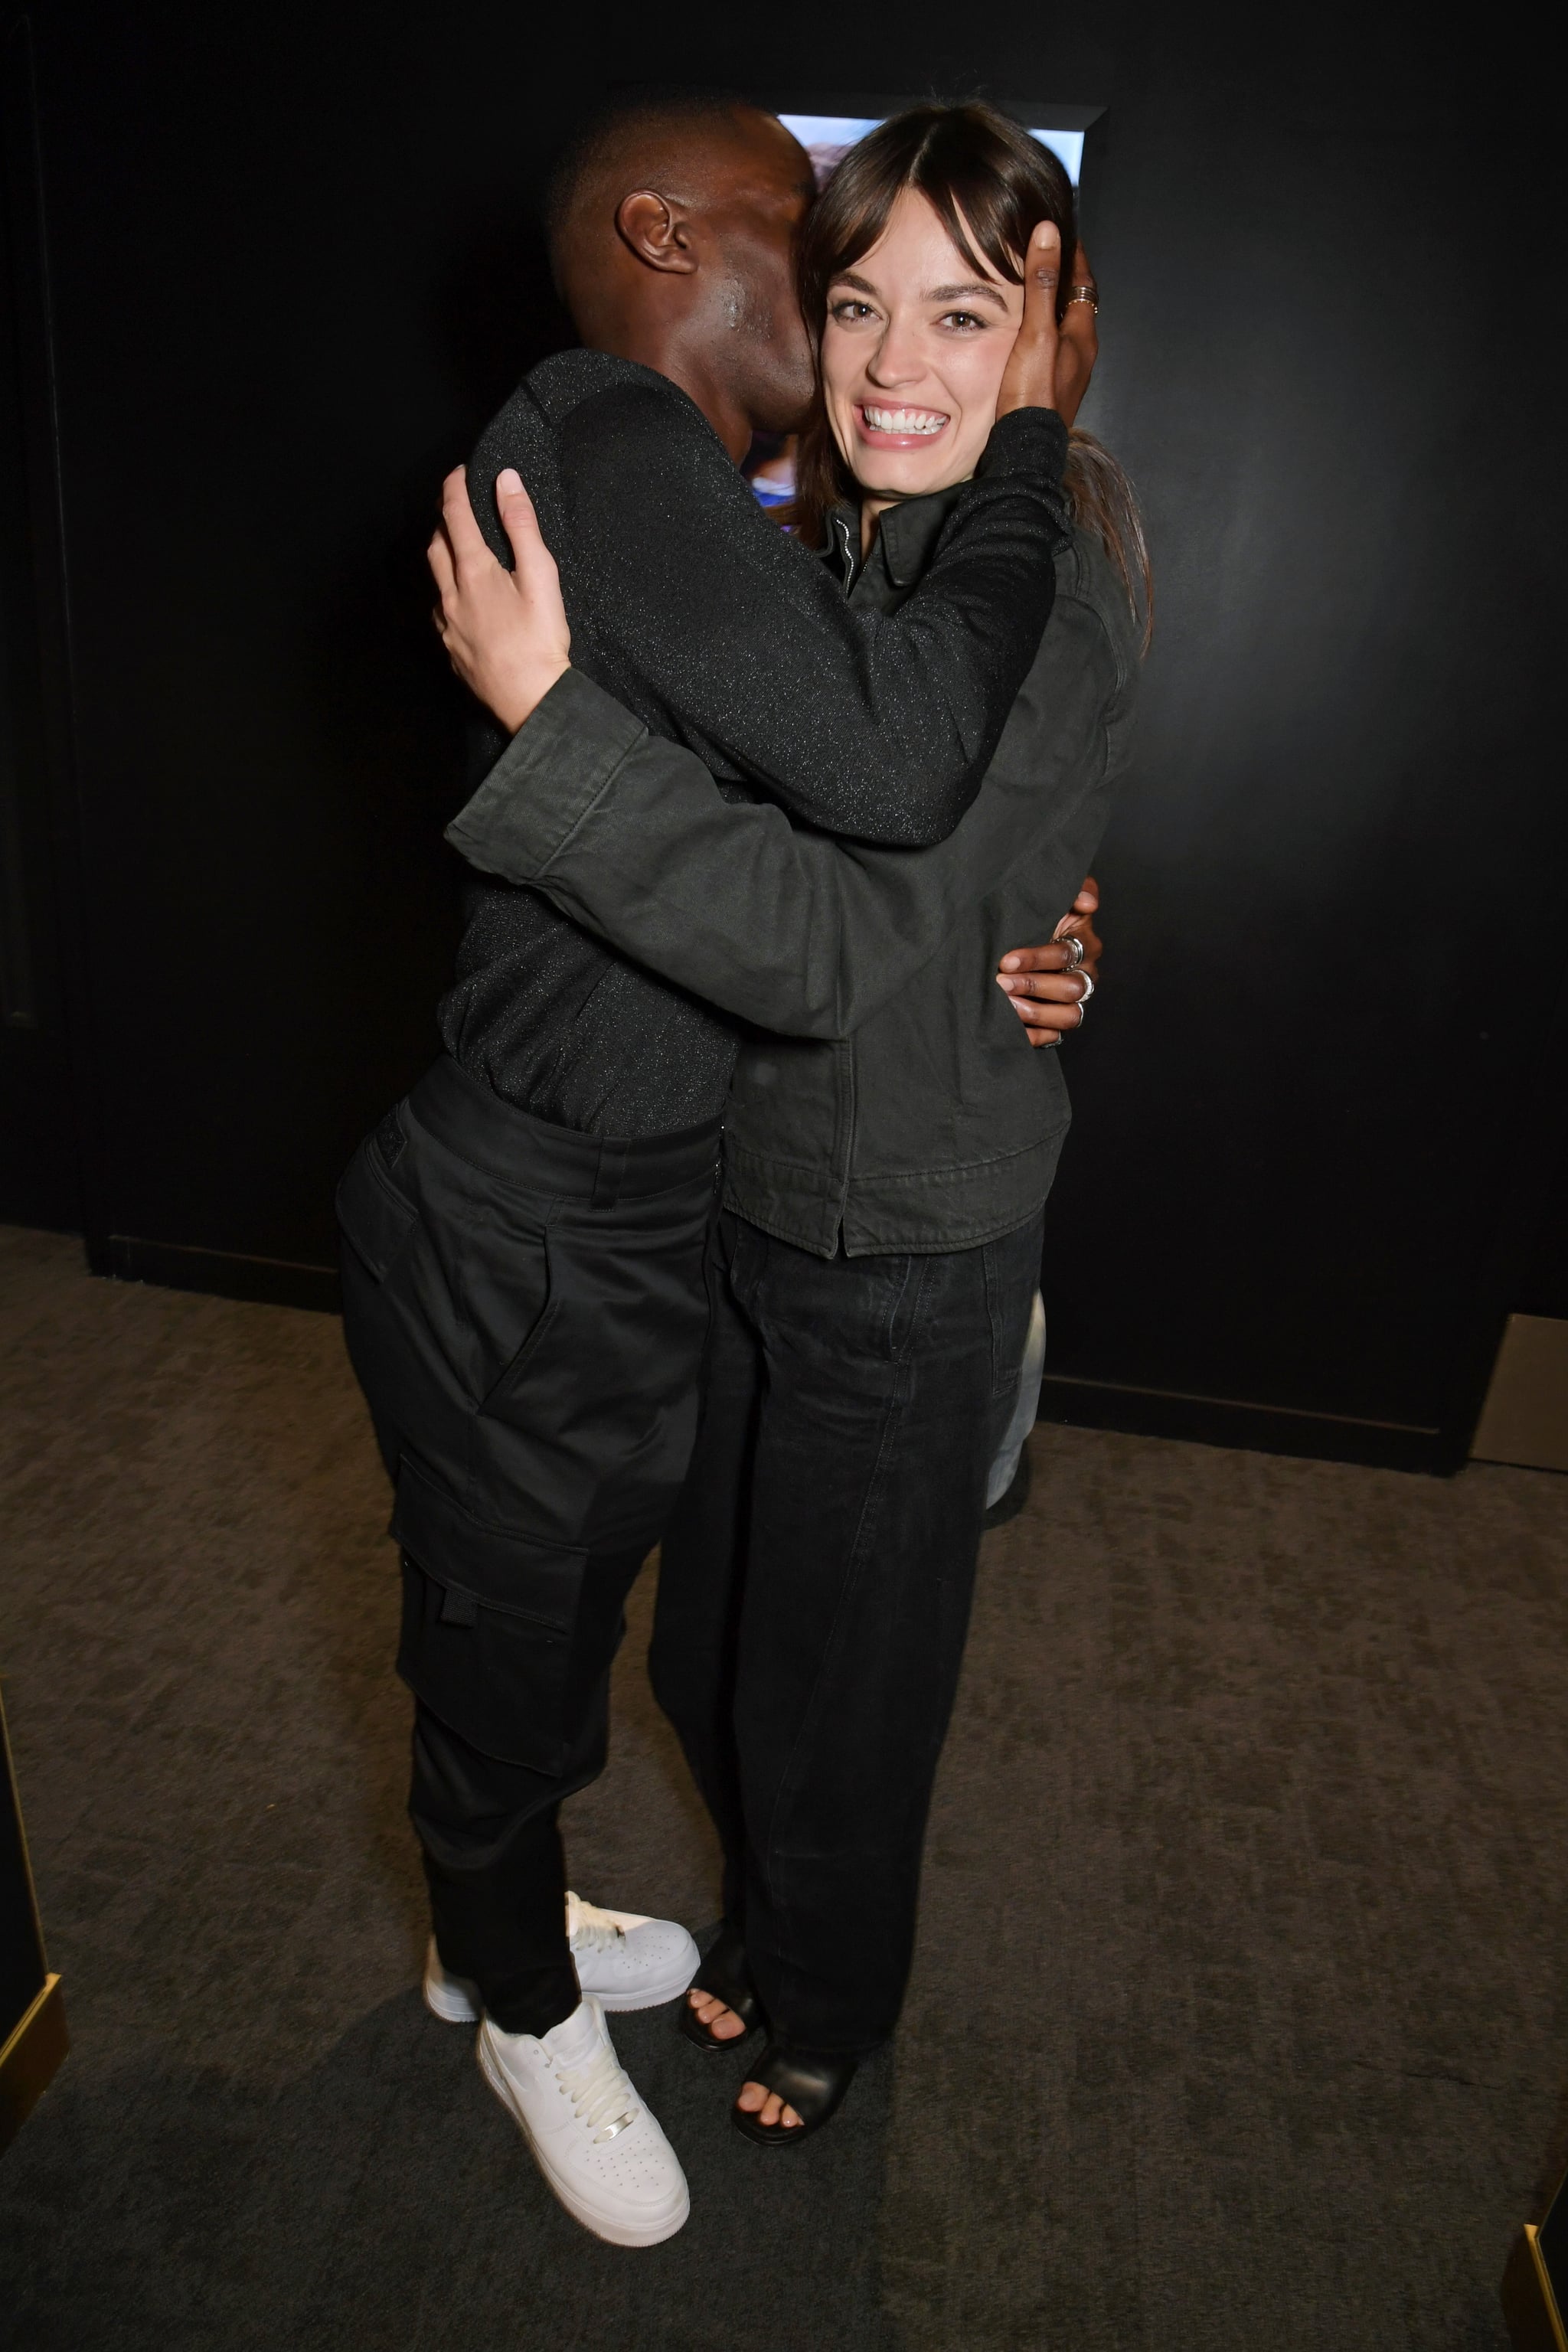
x=522, y=1281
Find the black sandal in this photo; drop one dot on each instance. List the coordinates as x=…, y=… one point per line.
x=723, y=1974
x=811, y=2081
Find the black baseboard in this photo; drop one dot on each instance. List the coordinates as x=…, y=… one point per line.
x=223, y=1274
x=1253, y=1428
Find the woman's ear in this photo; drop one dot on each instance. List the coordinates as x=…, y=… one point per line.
x=658, y=231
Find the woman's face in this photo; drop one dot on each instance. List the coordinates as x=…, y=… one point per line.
x=913, y=348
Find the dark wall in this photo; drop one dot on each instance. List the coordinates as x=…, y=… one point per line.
x=39, y=1172
x=294, y=268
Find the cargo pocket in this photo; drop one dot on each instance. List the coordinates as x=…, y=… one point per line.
x=487, y=1620
x=375, y=1219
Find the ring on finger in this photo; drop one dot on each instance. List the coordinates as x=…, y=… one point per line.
x=1088, y=979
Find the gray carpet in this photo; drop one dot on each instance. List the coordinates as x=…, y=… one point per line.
x=1238, y=2023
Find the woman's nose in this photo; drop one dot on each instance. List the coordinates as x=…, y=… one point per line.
x=896, y=361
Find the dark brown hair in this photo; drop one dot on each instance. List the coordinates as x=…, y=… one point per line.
x=990, y=184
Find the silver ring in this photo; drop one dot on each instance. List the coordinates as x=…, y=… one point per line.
x=1076, y=944
x=1087, y=988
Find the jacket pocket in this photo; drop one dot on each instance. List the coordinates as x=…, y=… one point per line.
x=487, y=1619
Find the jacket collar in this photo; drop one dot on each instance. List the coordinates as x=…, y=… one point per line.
x=909, y=532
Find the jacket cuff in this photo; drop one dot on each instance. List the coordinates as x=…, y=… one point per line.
x=546, y=779
x=1028, y=441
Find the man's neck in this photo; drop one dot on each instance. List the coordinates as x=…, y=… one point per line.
x=669, y=356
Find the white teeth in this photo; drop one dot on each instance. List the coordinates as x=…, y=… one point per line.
x=902, y=420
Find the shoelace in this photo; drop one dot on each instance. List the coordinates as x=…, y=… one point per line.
x=589, y=1930
x=597, y=2091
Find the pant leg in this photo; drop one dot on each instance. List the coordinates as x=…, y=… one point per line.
x=883, y=1379
x=1026, y=1407
x=525, y=1311
x=691, y=1658
x=488, y=1829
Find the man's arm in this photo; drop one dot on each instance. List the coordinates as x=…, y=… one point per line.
x=629, y=835
x=876, y=727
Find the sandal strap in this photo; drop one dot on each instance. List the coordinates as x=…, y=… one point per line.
x=812, y=2082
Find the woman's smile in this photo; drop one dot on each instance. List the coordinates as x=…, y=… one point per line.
x=882, y=427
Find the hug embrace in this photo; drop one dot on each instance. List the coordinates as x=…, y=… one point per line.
x=718, y=1224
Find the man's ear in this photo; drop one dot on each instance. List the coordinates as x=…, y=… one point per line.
x=658, y=230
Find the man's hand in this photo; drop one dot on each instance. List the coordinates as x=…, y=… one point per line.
x=1050, y=990
x=505, y=631
x=1029, y=378
x=1078, y=343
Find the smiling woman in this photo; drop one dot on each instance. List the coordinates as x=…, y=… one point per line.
x=910, y=365
x=912, y=280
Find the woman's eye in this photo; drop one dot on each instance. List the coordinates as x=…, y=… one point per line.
x=849, y=312
x=963, y=319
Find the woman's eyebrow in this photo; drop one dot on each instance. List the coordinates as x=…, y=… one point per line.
x=951, y=294
x=848, y=277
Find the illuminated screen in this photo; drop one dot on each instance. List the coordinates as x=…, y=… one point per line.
x=825, y=137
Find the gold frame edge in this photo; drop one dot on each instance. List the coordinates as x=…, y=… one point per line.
x=31, y=2058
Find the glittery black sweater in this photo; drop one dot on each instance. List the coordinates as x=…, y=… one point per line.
x=722, y=633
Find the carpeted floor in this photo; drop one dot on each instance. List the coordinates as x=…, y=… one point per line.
x=1238, y=2023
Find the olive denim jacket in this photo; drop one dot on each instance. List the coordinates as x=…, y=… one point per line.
x=886, y=1097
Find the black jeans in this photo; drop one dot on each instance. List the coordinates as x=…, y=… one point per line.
x=525, y=1308
x=814, y=1594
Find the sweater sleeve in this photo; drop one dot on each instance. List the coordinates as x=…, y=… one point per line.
x=629, y=835
x=872, y=726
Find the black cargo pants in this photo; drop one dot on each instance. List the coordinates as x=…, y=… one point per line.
x=525, y=1309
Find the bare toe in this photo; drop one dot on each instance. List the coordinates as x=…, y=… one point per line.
x=721, y=2023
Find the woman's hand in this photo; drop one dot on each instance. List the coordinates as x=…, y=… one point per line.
x=1050, y=990
x=505, y=631
x=1050, y=366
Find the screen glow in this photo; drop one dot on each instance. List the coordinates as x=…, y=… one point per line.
x=825, y=136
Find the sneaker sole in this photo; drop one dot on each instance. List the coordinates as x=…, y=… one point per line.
x=651, y=2233
x=454, y=2008
x=451, y=2007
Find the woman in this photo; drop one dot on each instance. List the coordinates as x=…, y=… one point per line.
x=875, y=1267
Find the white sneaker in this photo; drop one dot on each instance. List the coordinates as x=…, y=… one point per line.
x=597, y=2145
x=626, y=1961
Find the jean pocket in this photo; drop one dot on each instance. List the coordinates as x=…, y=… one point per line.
x=376, y=1220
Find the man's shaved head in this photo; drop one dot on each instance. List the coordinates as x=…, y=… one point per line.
x=672, y=218
x=634, y=142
